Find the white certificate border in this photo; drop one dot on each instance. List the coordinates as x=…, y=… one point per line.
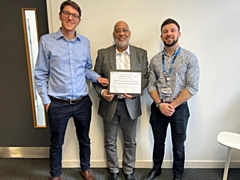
x=128, y=71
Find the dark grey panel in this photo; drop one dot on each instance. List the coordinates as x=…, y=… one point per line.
x=16, y=123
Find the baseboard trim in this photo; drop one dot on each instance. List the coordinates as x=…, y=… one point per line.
x=24, y=152
x=148, y=164
x=43, y=152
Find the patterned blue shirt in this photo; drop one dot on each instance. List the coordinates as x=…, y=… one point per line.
x=63, y=66
x=185, y=73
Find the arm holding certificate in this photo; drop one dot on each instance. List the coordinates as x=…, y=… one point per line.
x=126, y=66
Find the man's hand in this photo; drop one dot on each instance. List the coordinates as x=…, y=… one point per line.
x=103, y=81
x=166, y=109
x=127, y=96
x=108, y=97
x=46, y=106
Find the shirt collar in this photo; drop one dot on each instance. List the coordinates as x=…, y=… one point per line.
x=165, y=53
x=127, y=51
x=59, y=35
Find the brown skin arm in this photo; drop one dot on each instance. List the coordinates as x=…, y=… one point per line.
x=168, y=109
x=127, y=96
x=108, y=97
x=183, y=97
x=165, y=108
x=155, y=96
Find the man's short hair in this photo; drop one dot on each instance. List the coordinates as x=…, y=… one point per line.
x=72, y=4
x=170, y=21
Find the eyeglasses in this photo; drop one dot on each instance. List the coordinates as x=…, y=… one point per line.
x=121, y=30
x=67, y=14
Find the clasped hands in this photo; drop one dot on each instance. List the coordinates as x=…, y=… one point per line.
x=167, y=109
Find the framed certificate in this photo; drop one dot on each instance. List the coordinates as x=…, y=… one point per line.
x=125, y=81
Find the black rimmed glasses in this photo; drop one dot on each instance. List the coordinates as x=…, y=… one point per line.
x=66, y=14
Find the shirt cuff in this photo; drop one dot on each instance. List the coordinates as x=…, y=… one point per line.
x=102, y=92
x=46, y=100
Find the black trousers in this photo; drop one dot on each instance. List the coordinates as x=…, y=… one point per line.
x=178, y=123
x=59, y=114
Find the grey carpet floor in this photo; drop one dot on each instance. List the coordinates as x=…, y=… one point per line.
x=38, y=169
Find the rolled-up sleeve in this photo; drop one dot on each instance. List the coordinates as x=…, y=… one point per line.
x=152, y=78
x=192, y=75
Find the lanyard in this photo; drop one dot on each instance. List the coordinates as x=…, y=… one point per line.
x=167, y=76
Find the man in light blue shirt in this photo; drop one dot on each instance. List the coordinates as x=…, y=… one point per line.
x=62, y=67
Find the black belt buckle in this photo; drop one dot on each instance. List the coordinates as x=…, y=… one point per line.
x=74, y=101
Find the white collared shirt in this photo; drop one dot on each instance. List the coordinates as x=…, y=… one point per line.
x=123, y=59
x=122, y=62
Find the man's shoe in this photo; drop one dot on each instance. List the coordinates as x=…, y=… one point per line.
x=87, y=175
x=129, y=176
x=113, y=176
x=55, y=178
x=153, y=173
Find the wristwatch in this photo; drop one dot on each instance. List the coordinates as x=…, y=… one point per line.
x=158, y=104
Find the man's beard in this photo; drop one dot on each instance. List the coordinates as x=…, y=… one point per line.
x=121, y=44
x=172, y=44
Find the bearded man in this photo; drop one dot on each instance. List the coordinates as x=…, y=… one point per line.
x=173, y=79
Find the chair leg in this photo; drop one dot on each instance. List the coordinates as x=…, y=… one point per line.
x=225, y=174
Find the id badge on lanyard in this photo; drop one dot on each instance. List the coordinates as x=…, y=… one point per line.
x=167, y=91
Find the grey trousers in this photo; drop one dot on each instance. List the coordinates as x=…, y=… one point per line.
x=128, y=126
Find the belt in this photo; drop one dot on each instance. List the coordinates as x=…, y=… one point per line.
x=121, y=99
x=74, y=101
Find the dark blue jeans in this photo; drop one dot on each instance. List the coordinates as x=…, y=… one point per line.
x=59, y=114
x=178, y=123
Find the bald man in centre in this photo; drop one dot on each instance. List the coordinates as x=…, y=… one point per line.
x=120, y=111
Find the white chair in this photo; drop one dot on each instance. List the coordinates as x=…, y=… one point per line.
x=231, y=141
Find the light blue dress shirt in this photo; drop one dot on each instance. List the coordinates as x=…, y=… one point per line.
x=63, y=66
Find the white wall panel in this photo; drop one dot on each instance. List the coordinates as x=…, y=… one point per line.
x=210, y=29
